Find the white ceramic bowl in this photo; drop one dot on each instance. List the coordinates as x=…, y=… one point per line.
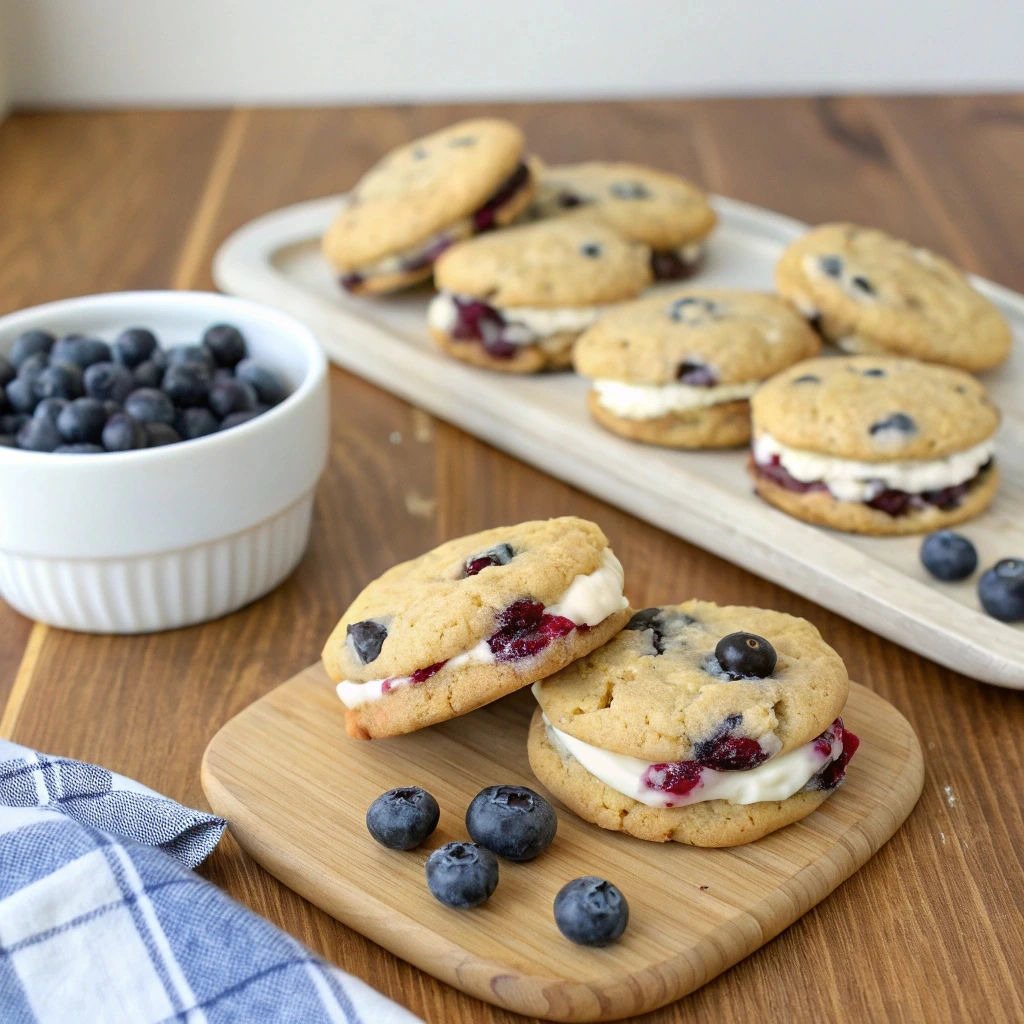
x=133, y=542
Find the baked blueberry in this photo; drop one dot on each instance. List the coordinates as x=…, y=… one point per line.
x=109, y=381
x=727, y=753
x=39, y=435
x=123, y=433
x=80, y=448
x=80, y=350
x=366, y=639
x=649, y=619
x=159, y=434
x=401, y=819
x=899, y=422
x=7, y=371
x=82, y=421
x=150, y=405
x=807, y=378
x=30, y=343
x=51, y=408
x=20, y=394
x=58, y=380
x=590, y=911
x=1001, y=590
x=831, y=265
x=226, y=343
x=187, y=383
x=862, y=284
x=745, y=656
x=236, y=418
x=949, y=556
x=196, y=422
x=133, y=346
x=512, y=821
x=500, y=554
x=230, y=395
x=462, y=875
x=629, y=190
x=591, y=250
x=696, y=375
x=268, y=386
x=198, y=354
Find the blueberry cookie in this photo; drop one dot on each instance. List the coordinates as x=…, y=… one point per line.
x=472, y=620
x=665, y=212
x=423, y=197
x=874, y=444
x=868, y=292
x=516, y=300
x=677, y=369
x=704, y=725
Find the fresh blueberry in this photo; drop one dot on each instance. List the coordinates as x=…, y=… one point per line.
x=512, y=821
x=462, y=875
x=366, y=639
x=226, y=343
x=13, y=422
x=134, y=346
x=948, y=555
x=148, y=374
x=197, y=354
x=590, y=911
x=1001, y=590
x=5, y=406
x=29, y=343
x=230, y=395
x=21, y=395
x=237, y=418
x=123, y=433
x=31, y=366
x=745, y=656
x=500, y=554
x=39, y=435
x=58, y=380
x=109, y=381
x=82, y=421
x=7, y=441
x=187, y=383
x=150, y=405
x=7, y=372
x=223, y=373
x=196, y=422
x=112, y=408
x=401, y=819
x=80, y=448
x=79, y=350
x=159, y=434
x=267, y=384
x=51, y=408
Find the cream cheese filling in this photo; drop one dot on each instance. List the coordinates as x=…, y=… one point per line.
x=588, y=601
x=778, y=778
x=652, y=401
x=850, y=480
x=523, y=325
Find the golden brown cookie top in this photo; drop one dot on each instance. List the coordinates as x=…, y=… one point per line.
x=874, y=409
x=735, y=336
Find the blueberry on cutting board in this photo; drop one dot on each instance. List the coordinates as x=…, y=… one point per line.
x=462, y=875
x=591, y=912
x=402, y=818
x=948, y=556
x=512, y=821
x=1001, y=590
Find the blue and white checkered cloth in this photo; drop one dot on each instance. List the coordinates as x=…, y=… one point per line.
x=102, y=922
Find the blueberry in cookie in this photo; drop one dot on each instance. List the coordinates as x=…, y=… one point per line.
x=422, y=198
x=472, y=620
x=875, y=444
x=678, y=369
x=516, y=300
x=868, y=292
x=706, y=725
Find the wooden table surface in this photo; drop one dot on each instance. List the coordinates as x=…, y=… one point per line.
x=932, y=929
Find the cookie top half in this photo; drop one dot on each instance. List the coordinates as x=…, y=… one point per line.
x=656, y=691
x=563, y=262
x=735, y=336
x=874, y=409
x=874, y=292
x=423, y=187
x=443, y=603
x=659, y=209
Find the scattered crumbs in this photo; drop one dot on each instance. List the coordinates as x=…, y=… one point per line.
x=421, y=507
x=422, y=426
x=931, y=744
x=950, y=798
x=395, y=437
x=703, y=888
x=942, y=836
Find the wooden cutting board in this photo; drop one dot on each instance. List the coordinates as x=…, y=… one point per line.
x=295, y=788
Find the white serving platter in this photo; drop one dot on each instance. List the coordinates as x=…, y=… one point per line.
x=704, y=497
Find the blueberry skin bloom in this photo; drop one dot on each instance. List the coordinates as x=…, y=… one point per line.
x=462, y=875
x=1001, y=590
x=512, y=821
x=746, y=656
x=948, y=556
x=591, y=912
x=401, y=819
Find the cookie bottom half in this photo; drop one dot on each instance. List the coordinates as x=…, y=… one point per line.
x=713, y=823
x=717, y=426
x=456, y=691
x=822, y=509
x=552, y=353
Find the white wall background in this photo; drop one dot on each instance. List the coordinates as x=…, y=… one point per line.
x=97, y=52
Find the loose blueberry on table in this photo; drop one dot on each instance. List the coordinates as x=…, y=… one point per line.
x=401, y=819
x=1001, y=590
x=79, y=395
x=591, y=912
x=948, y=556
x=512, y=821
x=462, y=875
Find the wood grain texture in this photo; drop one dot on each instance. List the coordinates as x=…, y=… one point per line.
x=932, y=928
x=295, y=788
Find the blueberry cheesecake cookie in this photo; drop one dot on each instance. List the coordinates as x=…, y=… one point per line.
x=425, y=196
x=516, y=300
x=705, y=725
x=665, y=212
x=678, y=369
x=868, y=292
x=874, y=444
x=472, y=620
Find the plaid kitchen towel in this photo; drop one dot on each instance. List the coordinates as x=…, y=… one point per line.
x=98, y=928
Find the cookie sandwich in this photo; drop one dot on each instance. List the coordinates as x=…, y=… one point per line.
x=678, y=369
x=706, y=725
x=662, y=210
x=516, y=300
x=868, y=292
x=472, y=620
x=422, y=198
x=874, y=444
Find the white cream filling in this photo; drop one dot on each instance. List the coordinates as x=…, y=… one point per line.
x=524, y=325
x=651, y=401
x=398, y=262
x=778, y=778
x=691, y=252
x=589, y=600
x=849, y=480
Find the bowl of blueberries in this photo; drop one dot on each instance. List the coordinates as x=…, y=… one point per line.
x=159, y=454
